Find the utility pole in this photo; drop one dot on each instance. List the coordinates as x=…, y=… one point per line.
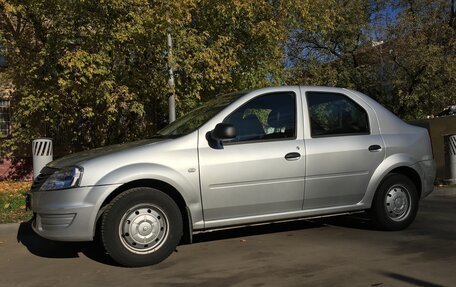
x=172, y=97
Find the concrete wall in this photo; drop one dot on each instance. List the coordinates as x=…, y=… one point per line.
x=440, y=128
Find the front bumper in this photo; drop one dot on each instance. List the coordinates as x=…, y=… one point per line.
x=67, y=215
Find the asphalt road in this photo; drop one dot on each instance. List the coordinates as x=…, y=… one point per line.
x=338, y=251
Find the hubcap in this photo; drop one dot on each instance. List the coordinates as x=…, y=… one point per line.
x=397, y=203
x=143, y=228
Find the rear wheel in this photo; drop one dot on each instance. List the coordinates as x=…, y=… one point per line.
x=395, y=203
x=141, y=226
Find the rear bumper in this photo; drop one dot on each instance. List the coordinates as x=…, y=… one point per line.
x=68, y=215
x=428, y=177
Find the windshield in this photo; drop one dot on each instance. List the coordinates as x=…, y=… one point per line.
x=196, y=118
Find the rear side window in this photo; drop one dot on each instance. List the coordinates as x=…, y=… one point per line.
x=333, y=114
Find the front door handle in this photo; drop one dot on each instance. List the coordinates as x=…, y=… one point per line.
x=375, y=147
x=292, y=156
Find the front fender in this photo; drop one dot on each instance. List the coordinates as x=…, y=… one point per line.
x=185, y=184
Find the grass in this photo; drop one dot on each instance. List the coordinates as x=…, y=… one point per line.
x=12, y=201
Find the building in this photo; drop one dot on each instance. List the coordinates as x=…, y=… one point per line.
x=5, y=123
x=6, y=89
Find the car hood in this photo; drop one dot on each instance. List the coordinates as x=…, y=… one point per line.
x=80, y=157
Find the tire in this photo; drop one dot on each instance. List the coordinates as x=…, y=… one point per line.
x=141, y=226
x=395, y=203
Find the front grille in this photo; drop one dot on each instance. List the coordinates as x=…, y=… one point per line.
x=46, y=172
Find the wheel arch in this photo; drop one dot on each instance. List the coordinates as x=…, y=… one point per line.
x=398, y=163
x=164, y=187
x=411, y=174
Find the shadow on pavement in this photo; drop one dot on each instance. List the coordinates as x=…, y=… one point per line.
x=410, y=280
x=254, y=230
x=358, y=221
x=42, y=247
x=354, y=221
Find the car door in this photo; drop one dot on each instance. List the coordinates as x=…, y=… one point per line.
x=343, y=147
x=261, y=171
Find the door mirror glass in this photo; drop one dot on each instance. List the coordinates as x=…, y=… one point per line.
x=223, y=131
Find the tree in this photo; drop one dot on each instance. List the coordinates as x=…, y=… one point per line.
x=423, y=57
x=405, y=61
x=229, y=46
x=326, y=44
x=90, y=73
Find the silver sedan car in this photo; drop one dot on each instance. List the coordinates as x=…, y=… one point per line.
x=250, y=157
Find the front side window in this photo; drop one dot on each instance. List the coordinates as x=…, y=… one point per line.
x=333, y=114
x=4, y=118
x=267, y=117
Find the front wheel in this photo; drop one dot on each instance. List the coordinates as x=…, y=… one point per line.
x=395, y=203
x=141, y=226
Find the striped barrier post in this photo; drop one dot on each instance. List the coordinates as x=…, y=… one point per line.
x=42, y=154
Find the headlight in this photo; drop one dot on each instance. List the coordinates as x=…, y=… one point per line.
x=62, y=179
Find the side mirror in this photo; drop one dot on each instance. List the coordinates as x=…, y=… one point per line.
x=222, y=131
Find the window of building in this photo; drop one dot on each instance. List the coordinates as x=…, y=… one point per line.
x=266, y=117
x=4, y=118
x=334, y=114
x=3, y=62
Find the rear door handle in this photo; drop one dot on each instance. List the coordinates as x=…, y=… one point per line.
x=375, y=147
x=292, y=156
